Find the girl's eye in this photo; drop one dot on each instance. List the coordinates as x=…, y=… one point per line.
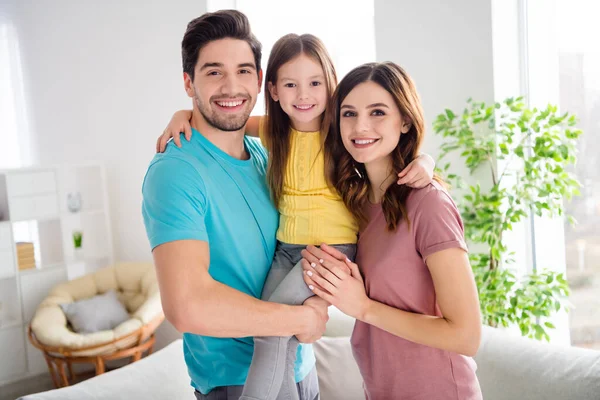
x=377, y=113
x=315, y=83
x=290, y=85
x=349, y=114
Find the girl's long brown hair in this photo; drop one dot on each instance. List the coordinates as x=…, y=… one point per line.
x=277, y=135
x=339, y=164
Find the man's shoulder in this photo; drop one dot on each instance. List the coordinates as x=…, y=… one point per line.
x=256, y=149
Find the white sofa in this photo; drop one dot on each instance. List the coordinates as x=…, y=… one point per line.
x=508, y=368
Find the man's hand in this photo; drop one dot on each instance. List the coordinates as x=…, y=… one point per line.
x=317, y=319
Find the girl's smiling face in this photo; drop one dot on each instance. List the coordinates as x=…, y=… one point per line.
x=302, y=92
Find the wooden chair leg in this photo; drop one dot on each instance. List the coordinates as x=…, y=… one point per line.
x=63, y=373
x=52, y=371
x=136, y=357
x=71, y=373
x=100, y=367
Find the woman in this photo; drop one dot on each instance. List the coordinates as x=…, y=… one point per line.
x=416, y=304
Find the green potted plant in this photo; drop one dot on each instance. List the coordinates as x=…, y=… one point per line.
x=527, y=152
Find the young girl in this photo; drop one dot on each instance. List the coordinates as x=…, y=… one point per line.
x=300, y=81
x=416, y=305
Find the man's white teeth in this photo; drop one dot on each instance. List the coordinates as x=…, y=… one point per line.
x=364, y=141
x=305, y=107
x=230, y=103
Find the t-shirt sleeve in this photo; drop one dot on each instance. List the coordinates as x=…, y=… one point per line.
x=437, y=224
x=174, y=202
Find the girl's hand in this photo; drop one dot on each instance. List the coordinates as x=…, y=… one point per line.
x=335, y=279
x=419, y=173
x=180, y=122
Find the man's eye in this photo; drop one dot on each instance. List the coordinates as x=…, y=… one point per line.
x=349, y=114
x=245, y=71
x=214, y=73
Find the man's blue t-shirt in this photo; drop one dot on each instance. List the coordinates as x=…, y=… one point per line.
x=200, y=192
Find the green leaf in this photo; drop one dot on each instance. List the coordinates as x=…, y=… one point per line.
x=450, y=114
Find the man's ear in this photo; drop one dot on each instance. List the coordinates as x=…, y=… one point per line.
x=188, y=84
x=272, y=91
x=260, y=80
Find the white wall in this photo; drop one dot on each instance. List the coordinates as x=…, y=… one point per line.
x=101, y=80
x=446, y=46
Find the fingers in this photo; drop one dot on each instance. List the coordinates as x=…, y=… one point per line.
x=187, y=129
x=355, y=271
x=333, y=252
x=409, y=175
x=176, y=138
x=332, y=270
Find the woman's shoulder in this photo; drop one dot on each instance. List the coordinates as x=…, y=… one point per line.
x=430, y=195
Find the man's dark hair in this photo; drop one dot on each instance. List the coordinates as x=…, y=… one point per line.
x=214, y=26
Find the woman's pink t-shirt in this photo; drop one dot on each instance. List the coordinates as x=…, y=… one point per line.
x=395, y=274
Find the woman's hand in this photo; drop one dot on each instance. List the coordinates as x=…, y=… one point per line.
x=336, y=279
x=419, y=173
x=180, y=122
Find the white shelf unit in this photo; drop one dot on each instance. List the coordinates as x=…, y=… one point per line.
x=34, y=208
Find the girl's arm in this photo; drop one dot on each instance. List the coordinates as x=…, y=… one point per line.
x=419, y=173
x=459, y=330
x=180, y=122
x=253, y=126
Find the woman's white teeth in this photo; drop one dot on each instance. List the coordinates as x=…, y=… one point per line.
x=230, y=103
x=305, y=107
x=364, y=141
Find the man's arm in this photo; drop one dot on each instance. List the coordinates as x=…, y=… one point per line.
x=194, y=302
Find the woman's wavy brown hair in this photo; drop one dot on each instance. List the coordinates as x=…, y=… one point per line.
x=277, y=132
x=339, y=164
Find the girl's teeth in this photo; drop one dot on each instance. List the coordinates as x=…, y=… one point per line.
x=229, y=103
x=364, y=141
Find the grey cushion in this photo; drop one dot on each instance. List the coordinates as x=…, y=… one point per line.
x=98, y=313
x=512, y=367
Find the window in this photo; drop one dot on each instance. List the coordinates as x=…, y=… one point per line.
x=13, y=124
x=564, y=68
x=579, y=93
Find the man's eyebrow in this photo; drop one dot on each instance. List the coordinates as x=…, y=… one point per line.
x=221, y=65
x=211, y=65
x=247, y=65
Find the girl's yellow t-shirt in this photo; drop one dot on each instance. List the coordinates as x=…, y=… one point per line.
x=310, y=211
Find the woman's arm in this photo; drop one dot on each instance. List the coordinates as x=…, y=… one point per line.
x=459, y=329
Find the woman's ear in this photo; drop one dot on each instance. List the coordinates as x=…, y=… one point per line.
x=406, y=127
x=272, y=91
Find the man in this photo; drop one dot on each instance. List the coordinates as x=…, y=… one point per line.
x=211, y=223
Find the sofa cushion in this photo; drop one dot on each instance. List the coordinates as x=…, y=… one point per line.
x=513, y=367
x=339, y=377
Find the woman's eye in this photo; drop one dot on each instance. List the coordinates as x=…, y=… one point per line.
x=349, y=114
x=377, y=113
